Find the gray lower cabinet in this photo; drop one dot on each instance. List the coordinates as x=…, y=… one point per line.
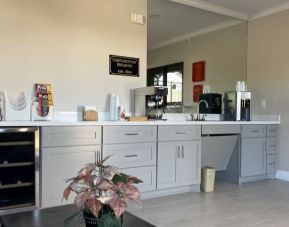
x=136, y=159
x=253, y=157
x=133, y=150
x=64, y=151
x=253, y=152
x=179, y=164
x=179, y=156
x=271, y=149
x=58, y=164
x=258, y=151
x=147, y=174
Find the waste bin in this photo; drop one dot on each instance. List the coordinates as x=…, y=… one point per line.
x=208, y=179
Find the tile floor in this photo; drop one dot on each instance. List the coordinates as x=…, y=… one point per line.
x=259, y=204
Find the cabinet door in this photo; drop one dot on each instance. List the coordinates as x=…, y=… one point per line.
x=189, y=165
x=168, y=153
x=253, y=157
x=58, y=164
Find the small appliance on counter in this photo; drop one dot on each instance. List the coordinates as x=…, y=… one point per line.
x=150, y=101
x=212, y=103
x=237, y=105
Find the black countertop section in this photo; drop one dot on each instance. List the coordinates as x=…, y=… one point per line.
x=54, y=217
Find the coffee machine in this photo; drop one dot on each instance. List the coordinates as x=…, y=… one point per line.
x=237, y=106
x=150, y=101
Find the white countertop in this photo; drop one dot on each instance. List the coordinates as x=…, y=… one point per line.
x=94, y=123
x=72, y=119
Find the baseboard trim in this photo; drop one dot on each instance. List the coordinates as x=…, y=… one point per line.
x=170, y=191
x=282, y=175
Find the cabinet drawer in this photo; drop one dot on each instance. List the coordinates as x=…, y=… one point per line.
x=221, y=129
x=129, y=134
x=70, y=136
x=272, y=130
x=271, y=145
x=174, y=133
x=146, y=174
x=271, y=163
x=254, y=131
x=130, y=155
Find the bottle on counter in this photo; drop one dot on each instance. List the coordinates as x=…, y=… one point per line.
x=112, y=107
x=116, y=106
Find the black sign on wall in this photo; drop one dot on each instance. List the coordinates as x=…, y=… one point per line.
x=124, y=66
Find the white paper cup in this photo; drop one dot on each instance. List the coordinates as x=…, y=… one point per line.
x=242, y=86
x=238, y=86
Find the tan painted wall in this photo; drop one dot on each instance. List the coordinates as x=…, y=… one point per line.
x=268, y=72
x=67, y=43
x=224, y=52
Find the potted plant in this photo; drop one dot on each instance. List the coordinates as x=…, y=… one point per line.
x=103, y=193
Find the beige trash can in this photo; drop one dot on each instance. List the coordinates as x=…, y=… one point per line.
x=208, y=179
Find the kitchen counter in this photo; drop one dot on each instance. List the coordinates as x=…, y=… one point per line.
x=172, y=120
x=100, y=123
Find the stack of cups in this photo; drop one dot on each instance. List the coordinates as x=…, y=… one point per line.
x=206, y=89
x=241, y=86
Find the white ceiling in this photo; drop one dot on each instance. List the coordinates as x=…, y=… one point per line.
x=170, y=21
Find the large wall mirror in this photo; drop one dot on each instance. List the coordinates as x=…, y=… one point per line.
x=179, y=34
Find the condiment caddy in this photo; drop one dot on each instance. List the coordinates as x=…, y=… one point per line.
x=42, y=108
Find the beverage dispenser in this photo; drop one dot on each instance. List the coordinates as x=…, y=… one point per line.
x=150, y=101
x=237, y=106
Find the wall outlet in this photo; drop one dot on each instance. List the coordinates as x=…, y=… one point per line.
x=137, y=18
x=263, y=103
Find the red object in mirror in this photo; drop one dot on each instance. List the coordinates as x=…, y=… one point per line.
x=197, y=91
x=198, y=71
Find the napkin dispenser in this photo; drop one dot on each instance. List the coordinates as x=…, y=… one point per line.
x=16, y=108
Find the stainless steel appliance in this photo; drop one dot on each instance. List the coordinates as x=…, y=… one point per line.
x=212, y=104
x=237, y=106
x=150, y=101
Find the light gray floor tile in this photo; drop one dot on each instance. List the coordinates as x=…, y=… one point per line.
x=259, y=204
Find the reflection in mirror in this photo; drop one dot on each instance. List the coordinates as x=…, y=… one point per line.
x=170, y=76
x=180, y=33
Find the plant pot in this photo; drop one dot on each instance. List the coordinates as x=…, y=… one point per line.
x=106, y=218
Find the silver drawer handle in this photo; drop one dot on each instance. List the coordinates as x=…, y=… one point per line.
x=181, y=133
x=271, y=163
x=178, y=152
x=255, y=131
x=131, y=134
x=271, y=145
x=131, y=156
x=272, y=130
